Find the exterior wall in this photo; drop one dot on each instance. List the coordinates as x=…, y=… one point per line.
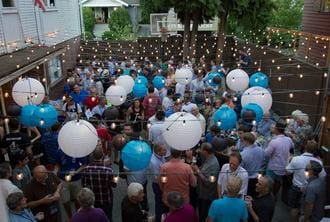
x=315, y=23
x=25, y=23
x=134, y=13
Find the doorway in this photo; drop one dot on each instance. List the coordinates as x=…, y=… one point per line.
x=105, y=14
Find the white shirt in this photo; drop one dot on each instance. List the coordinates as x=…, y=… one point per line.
x=226, y=172
x=202, y=121
x=196, y=85
x=297, y=167
x=180, y=88
x=187, y=107
x=99, y=110
x=6, y=188
x=167, y=103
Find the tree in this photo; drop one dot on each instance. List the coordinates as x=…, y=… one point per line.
x=248, y=14
x=154, y=6
x=120, y=26
x=89, y=22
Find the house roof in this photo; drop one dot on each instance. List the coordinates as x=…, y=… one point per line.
x=104, y=3
x=132, y=2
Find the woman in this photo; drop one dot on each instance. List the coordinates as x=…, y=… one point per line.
x=87, y=212
x=135, y=114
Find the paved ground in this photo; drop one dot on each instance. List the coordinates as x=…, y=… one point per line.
x=99, y=29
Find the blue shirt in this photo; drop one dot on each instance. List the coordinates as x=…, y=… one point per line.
x=23, y=216
x=155, y=163
x=253, y=159
x=208, y=137
x=79, y=98
x=264, y=127
x=68, y=164
x=228, y=209
x=49, y=141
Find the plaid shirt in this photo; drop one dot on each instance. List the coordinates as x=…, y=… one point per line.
x=99, y=178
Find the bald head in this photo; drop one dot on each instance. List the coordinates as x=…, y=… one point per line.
x=40, y=173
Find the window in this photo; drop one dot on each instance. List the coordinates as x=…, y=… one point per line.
x=8, y=3
x=325, y=7
x=49, y=3
x=54, y=69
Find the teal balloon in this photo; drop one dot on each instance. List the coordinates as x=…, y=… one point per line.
x=158, y=82
x=255, y=108
x=136, y=155
x=225, y=118
x=26, y=117
x=45, y=116
x=141, y=79
x=139, y=90
x=210, y=78
x=259, y=79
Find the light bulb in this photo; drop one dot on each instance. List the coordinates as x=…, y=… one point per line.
x=219, y=123
x=259, y=175
x=323, y=119
x=184, y=123
x=279, y=78
x=68, y=178
x=115, y=179
x=164, y=179
x=19, y=176
x=291, y=95
x=6, y=94
x=212, y=179
x=121, y=98
x=6, y=120
x=254, y=122
x=148, y=125
x=113, y=125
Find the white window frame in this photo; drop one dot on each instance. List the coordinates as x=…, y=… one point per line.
x=54, y=69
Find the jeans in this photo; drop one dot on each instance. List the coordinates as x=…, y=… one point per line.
x=159, y=207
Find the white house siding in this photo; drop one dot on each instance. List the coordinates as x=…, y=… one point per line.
x=61, y=23
x=27, y=17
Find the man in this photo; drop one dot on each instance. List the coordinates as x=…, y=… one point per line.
x=79, y=95
x=130, y=206
x=43, y=194
x=157, y=160
x=265, y=125
x=21, y=173
x=50, y=142
x=206, y=177
x=99, y=109
x=245, y=61
x=18, y=210
x=71, y=109
x=230, y=208
x=297, y=168
x=99, y=178
x=200, y=117
x=68, y=169
x=262, y=207
x=167, y=102
x=315, y=194
x=15, y=143
x=240, y=131
x=179, y=211
x=197, y=86
x=176, y=175
x=232, y=168
x=92, y=100
x=278, y=151
x=253, y=158
x=156, y=130
x=151, y=103
x=187, y=104
x=303, y=132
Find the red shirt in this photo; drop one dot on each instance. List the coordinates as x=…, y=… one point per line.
x=104, y=135
x=91, y=103
x=150, y=104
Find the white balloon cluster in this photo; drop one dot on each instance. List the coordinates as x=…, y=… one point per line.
x=258, y=95
x=28, y=91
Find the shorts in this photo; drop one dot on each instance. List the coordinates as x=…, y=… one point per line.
x=70, y=190
x=294, y=197
x=273, y=175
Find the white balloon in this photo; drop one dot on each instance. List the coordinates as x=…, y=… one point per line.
x=237, y=80
x=77, y=139
x=182, y=131
x=127, y=82
x=28, y=91
x=116, y=95
x=258, y=95
x=183, y=76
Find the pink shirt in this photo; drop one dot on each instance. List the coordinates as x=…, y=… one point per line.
x=150, y=105
x=179, y=177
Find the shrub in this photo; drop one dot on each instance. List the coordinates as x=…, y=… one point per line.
x=89, y=20
x=120, y=19
x=89, y=35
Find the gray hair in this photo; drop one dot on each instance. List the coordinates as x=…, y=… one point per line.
x=175, y=199
x=304, y=117
x=134, y=189
x=86, y=197
x=14, y=199
x=270, y=183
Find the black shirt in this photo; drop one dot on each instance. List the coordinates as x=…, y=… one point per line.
x=131, y=212
x=264, y=208
x=15, y=144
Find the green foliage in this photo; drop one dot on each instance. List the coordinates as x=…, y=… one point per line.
x=123, y=34
x=120, y=26
x=288, y=14
x=152, y=6
x=89, y=35
x=89, y=20
x=119, y=19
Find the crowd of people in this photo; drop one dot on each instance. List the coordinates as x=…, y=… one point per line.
x=229, y=176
